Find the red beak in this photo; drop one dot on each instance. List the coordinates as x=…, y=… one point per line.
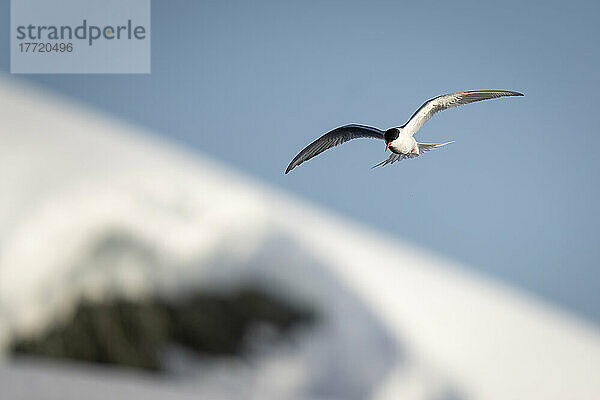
x=387, y=145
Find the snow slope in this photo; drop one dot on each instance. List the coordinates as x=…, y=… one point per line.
x=406, y=324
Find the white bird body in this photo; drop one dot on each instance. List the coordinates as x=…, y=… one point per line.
x=404, y=144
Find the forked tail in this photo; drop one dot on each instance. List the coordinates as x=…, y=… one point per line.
x=423, y=147
x=430, y=146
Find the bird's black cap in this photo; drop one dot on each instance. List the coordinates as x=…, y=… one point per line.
x=391, y=134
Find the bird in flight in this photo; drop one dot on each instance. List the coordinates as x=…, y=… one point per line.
x=400, y=140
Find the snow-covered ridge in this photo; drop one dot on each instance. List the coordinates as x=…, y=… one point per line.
x=71, y=178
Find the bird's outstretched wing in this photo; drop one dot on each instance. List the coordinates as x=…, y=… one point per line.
x=443, y=102
x=334, y=138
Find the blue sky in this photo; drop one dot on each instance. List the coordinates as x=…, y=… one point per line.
x=515, y=197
